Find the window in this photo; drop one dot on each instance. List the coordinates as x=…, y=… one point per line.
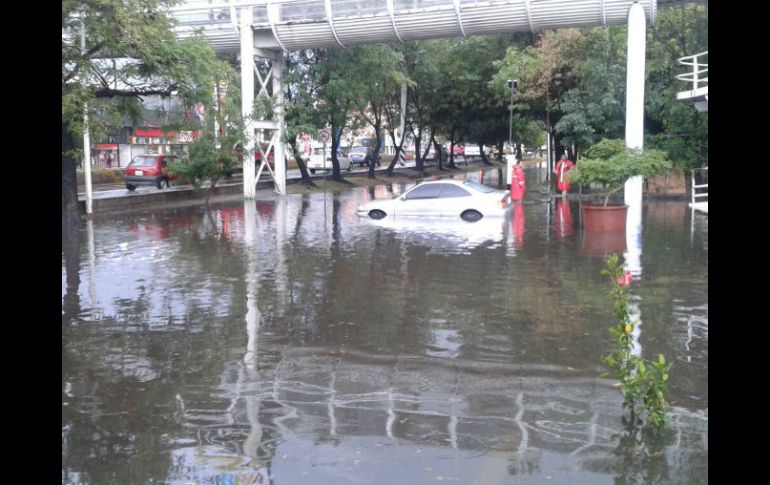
x=453, y=191
x=143, y=161
x=429, y=191
x=480, y=187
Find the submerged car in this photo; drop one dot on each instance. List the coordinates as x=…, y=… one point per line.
x=466, y=199
x=149, y=170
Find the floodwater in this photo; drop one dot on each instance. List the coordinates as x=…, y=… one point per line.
x=287, y=341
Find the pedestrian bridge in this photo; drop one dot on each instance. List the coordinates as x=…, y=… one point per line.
x=697, y=77
x=303, y=24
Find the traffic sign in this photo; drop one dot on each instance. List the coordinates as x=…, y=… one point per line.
x=324, y=136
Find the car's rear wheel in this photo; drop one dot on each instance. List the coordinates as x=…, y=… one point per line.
x=131, y=187
x=376, y=214
x=312, y=170
x=471, y=215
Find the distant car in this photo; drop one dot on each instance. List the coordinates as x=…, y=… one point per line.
x=318, y=161
x=473, y=151
x=149, y=170
x=358, y=156
x=466, y=199
x=458, y=150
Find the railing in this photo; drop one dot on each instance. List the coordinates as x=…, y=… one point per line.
x=699, y=67
x=700, y=180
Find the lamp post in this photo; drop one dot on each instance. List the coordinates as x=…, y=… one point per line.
x=513, y=85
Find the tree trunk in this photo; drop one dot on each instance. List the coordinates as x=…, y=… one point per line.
x=306, y=180
x=451, y=153
x=399, y=149
x=484, y=158
x=376, y=151
x=336, y=175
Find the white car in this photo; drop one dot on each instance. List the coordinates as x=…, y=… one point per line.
x=465, y=199
x=322, y=160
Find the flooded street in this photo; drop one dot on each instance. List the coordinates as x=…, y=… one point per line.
x=288, y=341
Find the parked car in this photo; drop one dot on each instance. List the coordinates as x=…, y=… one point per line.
x=358, y=155
x=321, y=159
x=149, y=170
x=466, y=199
x=473, y=151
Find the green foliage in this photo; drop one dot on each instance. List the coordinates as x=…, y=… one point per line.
x=643, y=383
x=217, y=151
x=610, y=163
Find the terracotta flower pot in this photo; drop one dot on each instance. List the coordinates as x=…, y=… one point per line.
x=597, y=218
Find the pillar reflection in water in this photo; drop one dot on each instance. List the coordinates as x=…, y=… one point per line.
x=248, y=374
x=633, y=263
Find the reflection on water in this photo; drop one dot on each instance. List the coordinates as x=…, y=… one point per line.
x=286, y=339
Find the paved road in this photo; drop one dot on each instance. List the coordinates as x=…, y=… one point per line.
x=108, y=191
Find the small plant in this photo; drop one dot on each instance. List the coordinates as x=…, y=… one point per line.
x=643, y=383
x=610, y=163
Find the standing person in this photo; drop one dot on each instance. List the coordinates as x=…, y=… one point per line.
x=518, y=182
x=562, y=167
x=109, y=159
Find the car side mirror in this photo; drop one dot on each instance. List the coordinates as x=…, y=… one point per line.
x=403, y=197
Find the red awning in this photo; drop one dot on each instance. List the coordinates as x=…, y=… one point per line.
x=153, y=132
x=107, y=146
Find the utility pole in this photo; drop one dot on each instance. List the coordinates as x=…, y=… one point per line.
x=513, y=85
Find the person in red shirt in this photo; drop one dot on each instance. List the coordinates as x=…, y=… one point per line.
x=562, y=167
x=518, y=182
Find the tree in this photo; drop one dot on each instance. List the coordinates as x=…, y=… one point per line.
x=130, y=52
x=378, y=77
x=218, y=148
x=299, y=105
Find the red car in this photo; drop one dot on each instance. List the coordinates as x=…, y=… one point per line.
x=458, y=150
x=149, y=170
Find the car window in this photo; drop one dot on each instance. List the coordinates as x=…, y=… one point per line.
x=480, y=187
x=429, y=191
x=449, y=190
x=142, y=161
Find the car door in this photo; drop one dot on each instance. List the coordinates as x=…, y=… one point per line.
x=420, y=201
x=453, y=200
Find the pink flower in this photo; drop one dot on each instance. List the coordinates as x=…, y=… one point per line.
x=626, y=279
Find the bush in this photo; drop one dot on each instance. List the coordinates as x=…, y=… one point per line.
x=610, y=163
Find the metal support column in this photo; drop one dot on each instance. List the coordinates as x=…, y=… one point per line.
x=247, y=102
x=278, y=134
x=86, y=136
x=635, y=95
x=635, y=131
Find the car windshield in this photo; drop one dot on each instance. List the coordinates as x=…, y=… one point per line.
x=480, y=187
x=359, y=150
x=142, y=161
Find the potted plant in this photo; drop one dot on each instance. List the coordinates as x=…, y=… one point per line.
x=610, y=163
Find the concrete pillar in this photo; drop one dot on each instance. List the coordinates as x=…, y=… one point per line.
x=247, y=103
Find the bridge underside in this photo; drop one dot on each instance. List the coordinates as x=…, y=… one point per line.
x=698, y=97
x=304, y=24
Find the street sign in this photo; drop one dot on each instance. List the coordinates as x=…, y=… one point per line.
x=324, y=136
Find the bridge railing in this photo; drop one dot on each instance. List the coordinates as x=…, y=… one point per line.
x=700, y=67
